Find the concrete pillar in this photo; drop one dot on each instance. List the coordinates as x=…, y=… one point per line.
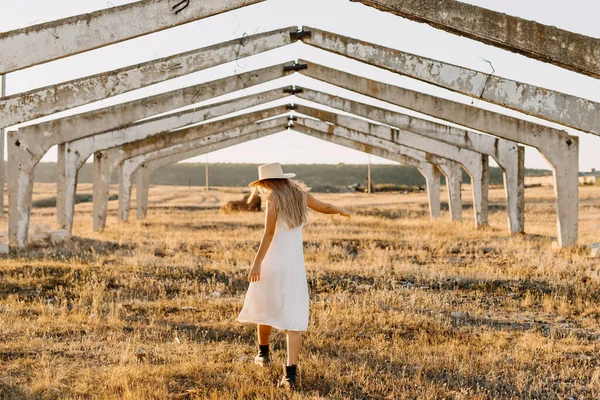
x=514, y=187
x=453, y=173
x=549, y=141
x=61, y=195
x=101, y=180
x=144, y=175
x=125, y=189
x=20, y=191
x=565, y=161
x=480, y=180
x=503, y=151
x=432, y=176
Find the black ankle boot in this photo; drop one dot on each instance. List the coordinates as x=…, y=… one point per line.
x=289, y=377
x=263, y=357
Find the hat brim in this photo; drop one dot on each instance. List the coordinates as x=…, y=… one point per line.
x=285, y=176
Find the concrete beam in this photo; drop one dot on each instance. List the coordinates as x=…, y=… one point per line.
x=565, y=109
x=505, y=152
x=545, y=43
x=404, y=155
x=474, y=163
x=129, y=166
x=558, y=147
x=133, y=166
x=78, y=151
x=429, y=171
x=45, y=101
x=28, y=146
x=41, y=43
x=226, y=128
x=148, y=168
x=110, y=159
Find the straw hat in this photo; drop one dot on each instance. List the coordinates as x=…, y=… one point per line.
x=271, y=171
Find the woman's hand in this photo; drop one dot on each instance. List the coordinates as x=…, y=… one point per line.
x=254, y=275
x=344, y=213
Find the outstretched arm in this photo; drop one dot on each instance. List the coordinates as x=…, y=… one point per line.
x=270, y=222
x=324, y=208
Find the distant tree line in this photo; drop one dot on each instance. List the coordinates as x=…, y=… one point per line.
x=313, y=175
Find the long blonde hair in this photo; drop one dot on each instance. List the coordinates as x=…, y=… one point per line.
x=288, y=196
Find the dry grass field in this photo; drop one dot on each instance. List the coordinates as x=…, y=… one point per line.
x=401, y=307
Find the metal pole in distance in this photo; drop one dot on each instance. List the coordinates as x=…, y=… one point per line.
x=2, y=163
x=206, y=172
x=369, y=176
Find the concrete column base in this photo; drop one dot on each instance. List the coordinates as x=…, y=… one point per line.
x=480, y=181
x=432, y=177
x=453, y=173
x=101, y=180
x=125, y=190
x=565, y=166
x=514, y=189
x=144, y=176
x=20, y=190
x=61, y=195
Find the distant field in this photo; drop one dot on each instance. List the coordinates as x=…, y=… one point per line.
x=401, y=307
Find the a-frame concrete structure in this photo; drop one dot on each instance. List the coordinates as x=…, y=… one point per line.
x=29, y=144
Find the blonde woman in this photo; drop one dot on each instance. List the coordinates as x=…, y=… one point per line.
x=277, y=296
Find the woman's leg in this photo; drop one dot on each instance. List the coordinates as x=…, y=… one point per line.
x=264, y=332
x=294, y=343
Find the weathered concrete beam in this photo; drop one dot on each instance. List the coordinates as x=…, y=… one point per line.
x=182, y=137
x=565, y=109
x=153, y=160
x=429, y=171
x=78, y=151
x=546, y=43
x=505, y=152
x=41, y=43
x=28, y=146
x=129, y=166
x=110, y=159
x=475, y=163
x=552, y=143
x=45, y=101
x=404, y=155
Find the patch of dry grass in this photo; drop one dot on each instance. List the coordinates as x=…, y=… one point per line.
x=401, y=307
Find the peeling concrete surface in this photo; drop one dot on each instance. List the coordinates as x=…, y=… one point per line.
x=45, y=101
x=393, y=151
x=546, y=43
x=32, y=142
x=505, y=152
x=78, y=151
x=142, y=167
x=112, y=158
x=551, y=105
x=472, y=161
x=49, y=41
x=551, y=143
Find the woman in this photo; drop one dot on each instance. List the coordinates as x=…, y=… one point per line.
x=277, y=296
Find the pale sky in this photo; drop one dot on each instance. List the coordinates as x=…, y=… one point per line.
x=339, y=16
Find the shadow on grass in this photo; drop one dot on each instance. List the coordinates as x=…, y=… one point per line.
x=411, y=376
x=14, y=392
x=194, y=226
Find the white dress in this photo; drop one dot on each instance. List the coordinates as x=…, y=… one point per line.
x=280, y=297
